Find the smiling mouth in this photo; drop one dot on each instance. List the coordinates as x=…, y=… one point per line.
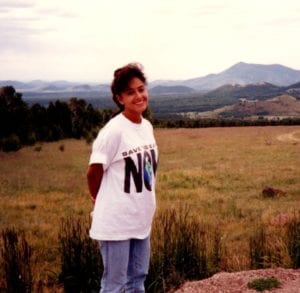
x=140, y=103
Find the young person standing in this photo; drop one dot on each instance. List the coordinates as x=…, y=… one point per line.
x=121, y=181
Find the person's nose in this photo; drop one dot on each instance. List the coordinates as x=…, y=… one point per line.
x=139, y=95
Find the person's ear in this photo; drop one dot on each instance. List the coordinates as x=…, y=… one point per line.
x=119, y=97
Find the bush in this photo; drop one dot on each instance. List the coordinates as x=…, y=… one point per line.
x=216, y=251
x=293, y=240
x=38, y=148
x=31, y=138
x=179, y=250
x=16, y=255
x=259, y=253
x=81, y=266
x=11, y=143
x=62, y=148
x=262, y=284
x=90, y=136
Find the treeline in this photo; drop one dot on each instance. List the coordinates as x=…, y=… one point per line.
x=206, y=122
x=23, y=125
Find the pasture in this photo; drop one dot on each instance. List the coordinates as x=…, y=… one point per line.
x=217, y=173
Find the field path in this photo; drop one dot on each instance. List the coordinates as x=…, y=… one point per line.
x=292, y=136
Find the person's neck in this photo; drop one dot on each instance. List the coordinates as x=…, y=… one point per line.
x=134, y=118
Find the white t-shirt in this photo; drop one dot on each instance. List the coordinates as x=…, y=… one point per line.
x=125, y=203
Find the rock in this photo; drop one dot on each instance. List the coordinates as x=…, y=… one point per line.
x=271, y=192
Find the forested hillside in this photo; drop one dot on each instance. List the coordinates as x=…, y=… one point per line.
x=21, y=124
x=43, y=120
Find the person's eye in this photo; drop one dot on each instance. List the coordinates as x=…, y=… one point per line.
x=130, y=92
x=141, y=89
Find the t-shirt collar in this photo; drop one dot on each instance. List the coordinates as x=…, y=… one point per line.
x=130, y=123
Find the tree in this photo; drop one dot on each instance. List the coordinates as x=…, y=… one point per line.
x=14, y=115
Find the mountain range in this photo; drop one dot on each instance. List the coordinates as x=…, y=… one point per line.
x=41, y=86
x=239, y=74
x=253, y=82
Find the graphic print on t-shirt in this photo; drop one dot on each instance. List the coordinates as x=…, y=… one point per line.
x=148, y=172
x=143, y=172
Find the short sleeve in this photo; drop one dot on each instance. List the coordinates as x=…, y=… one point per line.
x=104, y=147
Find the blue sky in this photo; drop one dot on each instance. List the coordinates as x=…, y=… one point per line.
x=174, y=39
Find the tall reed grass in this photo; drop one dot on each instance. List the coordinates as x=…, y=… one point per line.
x=182, y=248
x=16, y=257
x=179, y=250
x=81, y=266
x=293, y=239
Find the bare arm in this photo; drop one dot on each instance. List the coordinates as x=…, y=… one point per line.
x=94, y=178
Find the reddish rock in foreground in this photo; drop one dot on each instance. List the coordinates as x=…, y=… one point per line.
x=237, y=282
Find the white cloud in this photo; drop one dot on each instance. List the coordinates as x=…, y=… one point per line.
x=8, y=4
x=172, y=38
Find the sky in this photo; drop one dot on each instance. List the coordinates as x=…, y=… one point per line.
x=86, y=40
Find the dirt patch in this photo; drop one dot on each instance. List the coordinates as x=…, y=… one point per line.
x=289, y=137
x=237, y=282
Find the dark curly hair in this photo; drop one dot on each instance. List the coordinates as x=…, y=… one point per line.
x=122, y=78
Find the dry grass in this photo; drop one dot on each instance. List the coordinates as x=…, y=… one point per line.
x=219, y=172
x=37, y=190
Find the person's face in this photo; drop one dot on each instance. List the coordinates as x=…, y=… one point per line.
x=134, y=98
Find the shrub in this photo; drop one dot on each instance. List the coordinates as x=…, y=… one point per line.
x=11, y=143
x=16, y=255
x=216, y=251
x=62, y=148
x=179, y=250
x=90, y=136
x=38, y=148
x=293, y=240
x=271, y=192
x=81, y=266
x=262, y=284
x=259, y=253
x=31, y=138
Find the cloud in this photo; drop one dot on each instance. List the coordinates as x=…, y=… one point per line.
x=19, y=39
x=10, y=6
x=208, y=10
x=284, y=21
x=56, y=12
x=7, y=4
x=172, y=38
x=25, y=25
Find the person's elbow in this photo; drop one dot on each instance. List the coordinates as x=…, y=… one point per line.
x=90, y=174
x=94, y=172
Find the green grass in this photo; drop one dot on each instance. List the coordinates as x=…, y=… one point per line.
x=262, y=284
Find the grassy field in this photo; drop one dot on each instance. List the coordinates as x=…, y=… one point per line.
x=219, y=173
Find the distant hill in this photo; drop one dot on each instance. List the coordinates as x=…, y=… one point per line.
x=16, y=84
x=280, y=106
x=52, y=88
x=202, y=94
x=239, y=74
x=60, y=86
x=293, y=89
x=244, y=73
x=251, y=91
x=261, y=91
x=179, y=89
